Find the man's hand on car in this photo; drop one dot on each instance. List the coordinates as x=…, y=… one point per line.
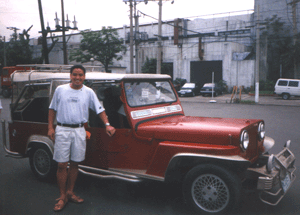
x=110, y=130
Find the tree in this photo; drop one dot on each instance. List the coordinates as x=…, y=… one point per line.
x=104, y=46
x=150, y=67
x=281, y=50
x=18, y=51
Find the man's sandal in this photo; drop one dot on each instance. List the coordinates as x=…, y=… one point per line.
x=61, y=203
x=75, y=199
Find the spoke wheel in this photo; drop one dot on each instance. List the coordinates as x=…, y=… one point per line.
x=41, y=163
x=210, y=193
x=211, y=189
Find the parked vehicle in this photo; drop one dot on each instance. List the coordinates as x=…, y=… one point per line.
x=212, y=158
x=287, y=88
x=209, y=88
x=6, y=81
x=189, y=89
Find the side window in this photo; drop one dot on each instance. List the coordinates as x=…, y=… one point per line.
x=282, y=83
x=293, y=83
x=109, y=96
x=31, y=92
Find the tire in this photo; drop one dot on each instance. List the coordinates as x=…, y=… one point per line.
x=285, y=96
x=193, y=94
x=210, y=189
x=6, y=93
x=42, y=164
x=216, y=94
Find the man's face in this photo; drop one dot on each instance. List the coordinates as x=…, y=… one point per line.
x=77, y=77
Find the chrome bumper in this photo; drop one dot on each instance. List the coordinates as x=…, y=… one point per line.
x=276, y=177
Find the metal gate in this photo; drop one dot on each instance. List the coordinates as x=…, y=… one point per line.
x=201, y=71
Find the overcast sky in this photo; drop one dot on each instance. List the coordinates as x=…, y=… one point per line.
x=93, y=14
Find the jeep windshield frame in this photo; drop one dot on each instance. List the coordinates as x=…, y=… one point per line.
x=149, y=92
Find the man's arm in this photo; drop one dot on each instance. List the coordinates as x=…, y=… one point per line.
x=109, y=129
x=51, y=117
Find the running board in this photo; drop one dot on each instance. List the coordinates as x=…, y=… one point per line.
x=106, y=174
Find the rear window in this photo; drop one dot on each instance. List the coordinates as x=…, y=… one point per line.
x=282, y=83
x=293, y=83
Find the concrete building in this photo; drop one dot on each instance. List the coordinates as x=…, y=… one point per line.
x=284, y=10
x=219, y=44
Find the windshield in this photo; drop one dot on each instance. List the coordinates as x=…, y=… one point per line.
x=141, y=93
x=188, y=85
x=209, y=85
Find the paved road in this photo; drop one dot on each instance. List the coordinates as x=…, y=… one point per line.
x=22, y=193
x=246, y=98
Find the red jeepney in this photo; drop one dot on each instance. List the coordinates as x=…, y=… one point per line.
x=6, y=80
x=212, y=158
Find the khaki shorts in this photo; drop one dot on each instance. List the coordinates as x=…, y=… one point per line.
x=70, y=144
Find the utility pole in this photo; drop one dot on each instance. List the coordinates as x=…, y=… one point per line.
x=44, y=34
x=294, y=11
x=4, y=50
x=63, y=33
x=15, y=35
x=159, y=50
x=136, y=23
x=131, y=39
x=257, y=57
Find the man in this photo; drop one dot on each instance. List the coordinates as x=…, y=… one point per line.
x=70, y=106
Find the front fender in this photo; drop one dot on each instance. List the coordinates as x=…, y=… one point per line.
x=181, y=163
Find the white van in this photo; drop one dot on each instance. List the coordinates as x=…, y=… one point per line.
x=287, y=87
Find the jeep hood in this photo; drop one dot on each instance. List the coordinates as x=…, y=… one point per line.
x=194, y=129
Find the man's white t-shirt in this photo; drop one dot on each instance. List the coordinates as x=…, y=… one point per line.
x=72, y=106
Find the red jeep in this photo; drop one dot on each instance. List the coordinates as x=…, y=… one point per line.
x=213, y=158
x=6, y=80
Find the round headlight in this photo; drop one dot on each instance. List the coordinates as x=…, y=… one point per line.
x=261, y=130
x=244, y=140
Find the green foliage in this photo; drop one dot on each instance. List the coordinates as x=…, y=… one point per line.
x=281, y=50
x=151, y=64
x=267, y=85
x=18, y=51
x=104, y=46
x=223, y=85
x=178, y=83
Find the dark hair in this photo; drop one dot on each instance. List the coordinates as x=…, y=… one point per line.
x=77, y=67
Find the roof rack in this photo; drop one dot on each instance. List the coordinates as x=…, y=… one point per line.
x=56, y=67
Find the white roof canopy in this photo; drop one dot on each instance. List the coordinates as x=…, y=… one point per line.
x=38, y=75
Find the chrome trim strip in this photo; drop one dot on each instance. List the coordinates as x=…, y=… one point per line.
x=118, y=174
x=108, y=176
x=221, y=157
x=106, y=171
x=157, y=178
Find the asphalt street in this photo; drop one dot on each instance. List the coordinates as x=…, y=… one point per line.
x=22, y=193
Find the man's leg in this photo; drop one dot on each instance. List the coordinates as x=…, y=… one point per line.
x=72, y=176
x=62, y=176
